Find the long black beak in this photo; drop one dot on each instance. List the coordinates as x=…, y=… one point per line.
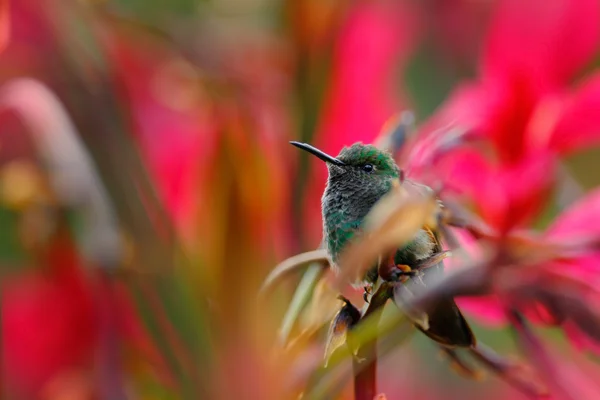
x=316, y=152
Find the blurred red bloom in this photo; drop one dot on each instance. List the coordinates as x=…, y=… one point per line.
x=572, y=274
x=497, y=142
x=373, y=44
x=173, y=128
x=185, y=119
x=48, y=322
x=505, y=195
x=523, y=106
x=375, y=39
x=52, y=327
x=579, y=224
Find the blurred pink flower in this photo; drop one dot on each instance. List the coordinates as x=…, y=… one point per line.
x=572, y=275
x=579, y=223
x=48, y=322
x=523, y=106
x=52, y=327
x=186, y=116
x=373, y=45
x=496, y=142
x=506, y=196
x=175, y=132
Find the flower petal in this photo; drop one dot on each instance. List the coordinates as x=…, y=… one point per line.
x=506, y=196
x=466, y=110
x=487, y=309
x=527, y=185
x=579, y=339
x=579, y=124
x=373, y=41
x=48, y=327
x=541, y=42
x=581, y=219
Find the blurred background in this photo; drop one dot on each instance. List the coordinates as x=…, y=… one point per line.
x=147, y=186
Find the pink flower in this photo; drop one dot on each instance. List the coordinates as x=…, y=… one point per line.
x=174, y=130
x=373, y=44
x=522, y=112
x=192, y=123
x=562, y=288
x=48, y=322
x=580, y=223
x=495, y=144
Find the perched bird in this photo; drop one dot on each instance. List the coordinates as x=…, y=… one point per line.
x=358, y=177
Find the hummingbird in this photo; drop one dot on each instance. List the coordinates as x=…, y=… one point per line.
x=358, y=177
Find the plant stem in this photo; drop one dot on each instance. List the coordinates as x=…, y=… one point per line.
x=365, y=362
x=365, y=381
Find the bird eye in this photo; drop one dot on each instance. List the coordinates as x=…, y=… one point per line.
x=367, y=168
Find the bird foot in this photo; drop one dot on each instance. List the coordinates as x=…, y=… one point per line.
x=399, y=273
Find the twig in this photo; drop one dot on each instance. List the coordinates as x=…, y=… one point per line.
x=325, y=383
x=459, y=365
x=512, y=372
x=365, y=362
x=536, y=352
x=467, y=281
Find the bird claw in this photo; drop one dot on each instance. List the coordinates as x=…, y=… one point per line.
x=392, y=272
x=403, y=272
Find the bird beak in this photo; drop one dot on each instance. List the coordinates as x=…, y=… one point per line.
x=316, y=152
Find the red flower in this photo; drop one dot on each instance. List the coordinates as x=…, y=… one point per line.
x=573, y=271
x=189, y=130
x=497, y=141
x=372, y=45
x=174, y=130
x=522, y=107
x=502, y=194
x=580, y=223
x=48, y=323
